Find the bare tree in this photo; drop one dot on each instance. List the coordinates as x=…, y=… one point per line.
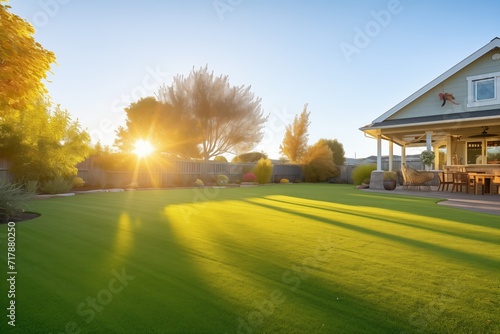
x=227, y=118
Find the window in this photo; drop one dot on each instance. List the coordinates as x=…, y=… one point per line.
x=493, y=152
x=474, y=152
x=483, y=89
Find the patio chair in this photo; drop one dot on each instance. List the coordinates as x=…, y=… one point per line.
x=461, y=180
x=445, y=179
x=416, y=178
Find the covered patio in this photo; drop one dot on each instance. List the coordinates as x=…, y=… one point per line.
x=457, y=116
x=456, y=140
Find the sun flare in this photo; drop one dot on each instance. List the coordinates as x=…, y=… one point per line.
x=143, y=148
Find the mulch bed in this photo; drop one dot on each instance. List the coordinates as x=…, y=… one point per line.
x=20, y=217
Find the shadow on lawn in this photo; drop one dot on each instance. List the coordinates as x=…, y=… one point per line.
x=475, y=260
x=269, y=289
x=413, y=220
x=194, y=276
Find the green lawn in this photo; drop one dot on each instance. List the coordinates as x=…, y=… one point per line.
x=272, y=259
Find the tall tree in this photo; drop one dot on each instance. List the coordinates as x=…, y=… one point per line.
x=294, y=145
x=338, y=153
x=24, y=63
x=228, y=119
x=159, y=123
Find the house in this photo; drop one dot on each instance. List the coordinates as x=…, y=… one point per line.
x=458, y=112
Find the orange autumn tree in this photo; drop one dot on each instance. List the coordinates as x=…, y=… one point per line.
x=294, y=145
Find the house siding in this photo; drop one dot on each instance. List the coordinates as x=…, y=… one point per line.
x=429, y=103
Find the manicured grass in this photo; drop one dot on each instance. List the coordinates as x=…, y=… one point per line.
x=272, y=259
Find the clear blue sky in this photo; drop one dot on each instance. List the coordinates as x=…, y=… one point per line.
x=111, y=53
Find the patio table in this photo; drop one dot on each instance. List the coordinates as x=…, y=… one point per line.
x=482, y=180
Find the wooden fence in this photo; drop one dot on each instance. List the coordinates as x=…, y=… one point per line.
x=180, y=174
x=183, y=173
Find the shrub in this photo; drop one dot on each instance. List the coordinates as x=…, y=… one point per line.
x=220, y=158
x=14, y=199
x=249, y=177
x=222, y=180
x=32, y=186
x=362, y=172
x=198, y=183
x=263, y=170
x=58, y=185
x=78, y=182
x=249, y=157
x=318, y=163
x=284, y=181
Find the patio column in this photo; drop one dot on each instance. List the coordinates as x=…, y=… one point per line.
x=403, y=155
x=437, y=161
x=449, y=143
x=379, y=152
x=428, y=140
x=391, y=154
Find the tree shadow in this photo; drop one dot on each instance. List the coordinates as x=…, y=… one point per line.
x=468, y=258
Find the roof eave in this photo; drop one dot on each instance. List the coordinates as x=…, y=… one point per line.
x=495, y=43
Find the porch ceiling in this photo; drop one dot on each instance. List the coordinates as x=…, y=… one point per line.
x=415, y=135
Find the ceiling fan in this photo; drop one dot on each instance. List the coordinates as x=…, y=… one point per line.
x=484, y=134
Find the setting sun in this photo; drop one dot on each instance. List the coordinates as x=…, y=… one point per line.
x=143, y=148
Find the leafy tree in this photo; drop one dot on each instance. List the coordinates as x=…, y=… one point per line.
x=337, y=149
x=294, y=145
x=44, y=143
x=318, y=163
x=168, y=130
x=227, y=118
x=24, y=63
x=249, y=157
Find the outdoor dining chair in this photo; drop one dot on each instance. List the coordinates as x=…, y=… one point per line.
x=461, y=180
x=445, y=179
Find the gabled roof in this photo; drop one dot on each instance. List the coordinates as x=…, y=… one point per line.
x=495, y=43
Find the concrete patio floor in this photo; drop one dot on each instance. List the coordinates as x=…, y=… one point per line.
x=479, y=203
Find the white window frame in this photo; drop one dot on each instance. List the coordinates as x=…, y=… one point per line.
x=472, y=102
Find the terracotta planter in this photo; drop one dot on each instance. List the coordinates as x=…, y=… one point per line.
x=389, y=184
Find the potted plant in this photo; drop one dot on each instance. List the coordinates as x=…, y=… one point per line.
x=427, y=157
x=389, y=180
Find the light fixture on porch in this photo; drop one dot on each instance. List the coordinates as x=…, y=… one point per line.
x=484, y=134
